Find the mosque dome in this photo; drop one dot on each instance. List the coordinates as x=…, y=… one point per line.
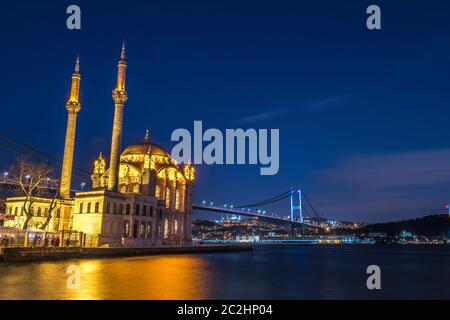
x=142, y=148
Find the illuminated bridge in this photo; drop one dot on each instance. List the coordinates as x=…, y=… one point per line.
x=296, y=209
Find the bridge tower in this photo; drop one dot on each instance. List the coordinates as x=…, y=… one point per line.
x=296, y=205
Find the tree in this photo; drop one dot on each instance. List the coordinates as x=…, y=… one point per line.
x=35, y=180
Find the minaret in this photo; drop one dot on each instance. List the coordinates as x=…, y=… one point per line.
x=73, y=106
x=120, y=97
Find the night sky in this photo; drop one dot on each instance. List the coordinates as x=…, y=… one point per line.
x=363, y=115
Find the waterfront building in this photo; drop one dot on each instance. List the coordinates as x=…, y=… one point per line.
x=144, y=198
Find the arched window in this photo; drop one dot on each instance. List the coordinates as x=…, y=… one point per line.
x=177, y=199
x=149, y=230
x=166, y=228
x=167, y=198
x=157, y=192
x=142, y=229
x=126, y=229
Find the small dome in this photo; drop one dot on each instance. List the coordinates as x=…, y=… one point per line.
x=142, y=149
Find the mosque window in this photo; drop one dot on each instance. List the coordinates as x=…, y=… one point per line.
x=166, y=229
x=39, y=212
x=149, y=230
x=177, y=199
x=151, y=211
x=81, y=207
x=97, y=207
x=157, y=192
x=128, y=209
x=121, y=208
x=89, y=207
x=114, y=208
x=108, y=207
x=46, y=212
x=142, y=229
x=16, y=210
x=126, y=229
x=160, y=213
x=144, y=210
x=137, y=208
x=136, y=188
x=135, y=229
x=58, y=213
x=167, y=197
x=176, y=226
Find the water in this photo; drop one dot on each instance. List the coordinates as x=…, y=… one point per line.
x=293, y=272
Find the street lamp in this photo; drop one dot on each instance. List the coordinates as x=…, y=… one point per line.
x=5, y=175
x=83, y=184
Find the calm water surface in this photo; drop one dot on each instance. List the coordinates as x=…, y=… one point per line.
x=296, y=272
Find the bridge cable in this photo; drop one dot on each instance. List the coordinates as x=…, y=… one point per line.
x=277, y=198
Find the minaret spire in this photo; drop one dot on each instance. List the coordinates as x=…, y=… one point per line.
x=73, y=106
x=122, y=53
x=120, y=97
x=77, y=64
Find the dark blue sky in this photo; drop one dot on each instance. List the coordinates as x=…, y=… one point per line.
x=363, y=115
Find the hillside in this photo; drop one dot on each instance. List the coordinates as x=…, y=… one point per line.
x=430, y=226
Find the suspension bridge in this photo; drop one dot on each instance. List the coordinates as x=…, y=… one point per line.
x=297, y=199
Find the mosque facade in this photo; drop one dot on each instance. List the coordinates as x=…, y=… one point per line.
x=143, y=199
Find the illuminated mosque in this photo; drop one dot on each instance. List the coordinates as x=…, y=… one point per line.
x=144, y=198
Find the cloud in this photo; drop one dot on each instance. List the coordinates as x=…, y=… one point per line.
x=263, y=116
x=319, y=104
x=387, y=186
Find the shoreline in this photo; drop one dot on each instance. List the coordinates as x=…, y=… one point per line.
x=51, y=254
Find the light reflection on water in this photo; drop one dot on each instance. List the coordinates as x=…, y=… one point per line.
x=300, y=272
x=159, y=277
